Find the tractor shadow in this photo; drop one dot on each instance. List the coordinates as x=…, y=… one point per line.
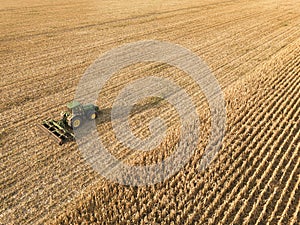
x=105, y=114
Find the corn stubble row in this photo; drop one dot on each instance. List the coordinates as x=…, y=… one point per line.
x=38, y=179
x=254, y=179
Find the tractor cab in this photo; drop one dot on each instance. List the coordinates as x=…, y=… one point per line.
x=75, y=107
x=77, y=113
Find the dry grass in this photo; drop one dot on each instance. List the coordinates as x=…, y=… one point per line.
x=252, y=47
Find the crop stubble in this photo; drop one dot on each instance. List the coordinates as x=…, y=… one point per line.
x=252, y=48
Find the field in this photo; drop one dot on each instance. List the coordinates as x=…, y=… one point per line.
x=252, y=48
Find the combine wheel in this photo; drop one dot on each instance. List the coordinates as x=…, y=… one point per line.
x=92, y=116
x=76, y=122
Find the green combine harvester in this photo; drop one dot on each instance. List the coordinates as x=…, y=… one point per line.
x=62, y=130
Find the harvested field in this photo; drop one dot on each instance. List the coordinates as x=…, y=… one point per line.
x=252, y=48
